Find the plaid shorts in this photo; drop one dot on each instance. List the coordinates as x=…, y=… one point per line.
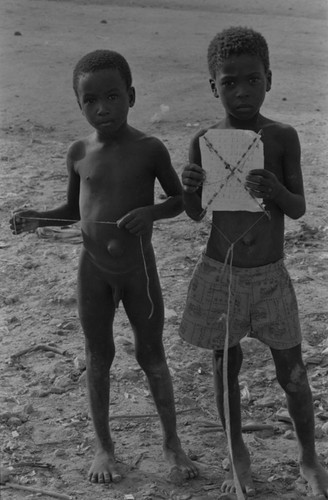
x=261, y=301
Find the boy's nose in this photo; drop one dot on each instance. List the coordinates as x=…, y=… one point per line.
x=242, y=91
x=102, y=109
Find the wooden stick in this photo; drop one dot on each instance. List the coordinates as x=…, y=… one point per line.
x=49, y=493
x=39, y=347
x=34, y=464
x=250, y=427
x=148, y=415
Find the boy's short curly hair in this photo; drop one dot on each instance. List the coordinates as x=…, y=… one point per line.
x=236, y=40
x=102, y=59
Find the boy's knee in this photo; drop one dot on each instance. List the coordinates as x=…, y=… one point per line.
x=149, y=356
x=294, y=380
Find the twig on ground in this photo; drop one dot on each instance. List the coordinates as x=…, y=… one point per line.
x=41, y=465
x=148, y=415
x=206, y=427
x=138, y=460
x=204, y=464
x=39, y=347
x=40, y=491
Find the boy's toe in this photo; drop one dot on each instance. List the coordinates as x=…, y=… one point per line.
x=116, y=478
x=101, y=478
x=106, y=477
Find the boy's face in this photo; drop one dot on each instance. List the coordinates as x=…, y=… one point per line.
x=241, y=83
x=105, y=100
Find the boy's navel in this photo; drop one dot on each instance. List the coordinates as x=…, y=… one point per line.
x=248, y=240
x=115, y=248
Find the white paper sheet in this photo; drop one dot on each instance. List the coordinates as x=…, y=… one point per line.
x=227, y=157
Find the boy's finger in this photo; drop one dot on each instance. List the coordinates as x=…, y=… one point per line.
x=190, y=189
x=258, y=171
x=124, y=220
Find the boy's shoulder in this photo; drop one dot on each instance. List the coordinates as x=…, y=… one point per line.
x=276, y=126
x=280, y=134
x=143, y=136
x=77, y=149
x=150, y=143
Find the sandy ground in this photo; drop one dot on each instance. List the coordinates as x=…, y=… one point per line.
x=46, y=435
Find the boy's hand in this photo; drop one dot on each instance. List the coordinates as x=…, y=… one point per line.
x=24, y=221
x=139, y=221
x=262, y=184
x=193, y=177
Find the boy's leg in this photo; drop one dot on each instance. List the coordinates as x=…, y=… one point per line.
x=292, y=377
x=96, y=311
x=241, y=457
x=151, y=357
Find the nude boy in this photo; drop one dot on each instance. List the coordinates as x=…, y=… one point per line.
x=111, y=176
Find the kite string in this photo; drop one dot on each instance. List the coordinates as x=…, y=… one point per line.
x=226, y=406
x=147, y=278
x=100, y=222
x=238, y=167
x=61, y=220
x=239, y=491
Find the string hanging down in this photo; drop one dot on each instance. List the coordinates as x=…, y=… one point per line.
x=73, y=221
x=99, y=222
x=240, y=151
x=229, y=260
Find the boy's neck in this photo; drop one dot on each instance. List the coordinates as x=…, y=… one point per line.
x=110, y=137
x=254, y=123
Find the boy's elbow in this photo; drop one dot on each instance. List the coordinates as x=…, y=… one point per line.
x=180, y=204
x=196, y=216
x=297, y=214
x=177, y=205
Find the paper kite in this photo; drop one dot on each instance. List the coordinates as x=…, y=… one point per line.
x=227, y=157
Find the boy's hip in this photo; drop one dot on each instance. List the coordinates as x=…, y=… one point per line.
x=137, y=258
x=217, y=270
x=260, y=301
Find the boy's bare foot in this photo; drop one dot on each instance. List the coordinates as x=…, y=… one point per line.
x=242, y=465
x=177, y=458
x=316, y=477
x=103, y=468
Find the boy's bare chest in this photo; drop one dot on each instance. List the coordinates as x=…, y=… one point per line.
x=114, y=171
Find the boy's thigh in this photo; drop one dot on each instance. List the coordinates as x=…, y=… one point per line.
x=288, y=359
x=274, y=315
x=217, y=305
x=143, y=302
x=95, y=298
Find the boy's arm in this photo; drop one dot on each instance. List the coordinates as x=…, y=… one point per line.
x=68, y=213
x=193, y=177
x=289, y=194
x=140, y=220
x=171, y=185
x=290, y=197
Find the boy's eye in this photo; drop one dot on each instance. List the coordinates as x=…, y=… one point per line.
x=89, y=100
x=228, y=83
x=112, y=97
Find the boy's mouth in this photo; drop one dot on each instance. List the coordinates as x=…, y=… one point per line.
x=105, y=123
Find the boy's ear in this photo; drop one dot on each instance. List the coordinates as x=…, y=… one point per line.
x=214, y=88
x=78, y=101
x=132, y=96
x=269, y=80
